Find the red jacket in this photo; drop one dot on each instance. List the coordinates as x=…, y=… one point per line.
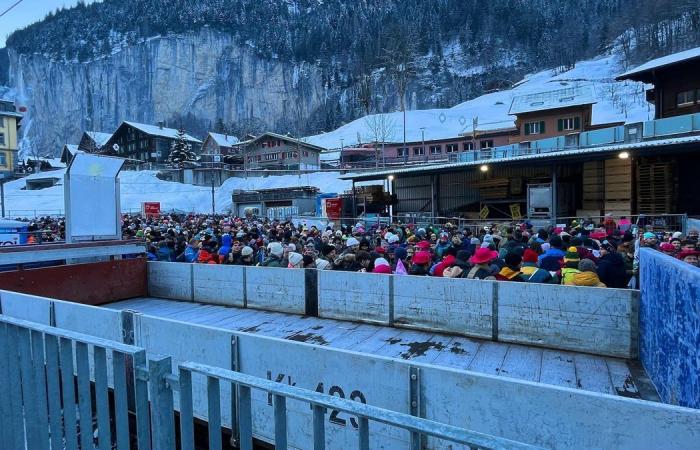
x=446, y=262
x=206, y=258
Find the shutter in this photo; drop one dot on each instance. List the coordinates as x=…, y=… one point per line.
x=560, y=125
x=542, y=127
x=577, y=123
x=527, y=128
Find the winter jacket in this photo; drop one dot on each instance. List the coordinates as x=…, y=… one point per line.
x=446, y=262
x=612, y=271
x=533, y=274
x=585, y=253
x=225, y=248
x=273, y=261
x=480, y=272
x=441, y=247
x=191, y=254
x=508, y=274
x=166, y=254
x=551, y=259
x=418, y=270
x=567, y=275
x=206, y=257
x=586, y=279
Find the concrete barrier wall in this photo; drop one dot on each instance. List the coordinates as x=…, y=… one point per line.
x=534, y=413
x=593, y=320
x=360, y=297
x=26, y=307
x=669, y=323
x=275, y=289
x=219, y=285
x=443, y=304
x=170, y=280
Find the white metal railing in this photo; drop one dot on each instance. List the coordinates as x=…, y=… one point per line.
x=39, y=365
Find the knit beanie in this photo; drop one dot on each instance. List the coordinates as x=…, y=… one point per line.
x=586, y=265
x=530, y=256
x=571, y=255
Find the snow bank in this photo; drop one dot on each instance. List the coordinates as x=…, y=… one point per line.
x=617, y=102
x=138, y=187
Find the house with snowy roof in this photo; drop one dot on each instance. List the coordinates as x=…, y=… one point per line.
x=676, y=80
x=219, y=144
x=92, y=141
x=276, y=151
x=559, y=112
x=147, y=143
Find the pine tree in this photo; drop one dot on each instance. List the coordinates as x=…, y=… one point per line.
x=181, y=151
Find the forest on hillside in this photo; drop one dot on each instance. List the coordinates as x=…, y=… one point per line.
x=355, y=34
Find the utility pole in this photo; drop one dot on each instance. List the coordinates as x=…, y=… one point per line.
x=213, y=202
x=2, y=195
x=422, y=133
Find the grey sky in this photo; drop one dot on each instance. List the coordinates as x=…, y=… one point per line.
x=27, y=12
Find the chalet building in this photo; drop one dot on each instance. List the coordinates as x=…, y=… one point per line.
x=93, y=141
x=220, y=144
x=147, y=143
x=676, y=80
x=275, y=151
x=555, y=113
x=9, y=126
x=441, y=149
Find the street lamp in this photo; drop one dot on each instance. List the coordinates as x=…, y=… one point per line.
x=484, y=168
x=422, y=133
x=390, y=182
x=624, y=155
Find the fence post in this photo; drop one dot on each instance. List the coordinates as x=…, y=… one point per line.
x=162, y=415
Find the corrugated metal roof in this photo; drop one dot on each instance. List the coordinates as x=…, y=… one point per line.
x=562, y=153
x=663, y=61
x=560, y=98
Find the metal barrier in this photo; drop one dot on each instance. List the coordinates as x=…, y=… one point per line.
x=41, y=411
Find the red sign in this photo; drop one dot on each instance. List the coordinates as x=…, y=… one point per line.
x=150, y=209
x=334, y=208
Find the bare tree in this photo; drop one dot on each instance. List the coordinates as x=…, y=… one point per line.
x=398, y=58
x=381, y=129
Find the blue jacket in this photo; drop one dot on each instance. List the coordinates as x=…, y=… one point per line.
x=550, y=260
x=166, y=254
x=191, y=254
x=225, y=248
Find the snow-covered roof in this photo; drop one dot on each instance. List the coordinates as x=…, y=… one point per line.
x=288, y=139
x=100, y=138
x=11, y=114
x=72, y=149
x=224, y=140
x=155, y=130
x=560, y=98
x=663, y=62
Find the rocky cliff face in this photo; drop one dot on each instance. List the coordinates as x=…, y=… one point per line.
x=205, y=75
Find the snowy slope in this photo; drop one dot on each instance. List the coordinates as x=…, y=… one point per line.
x=617, y=102
x=138, y=187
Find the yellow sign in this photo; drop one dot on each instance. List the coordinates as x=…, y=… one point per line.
x=515, y=211
x=484, y=213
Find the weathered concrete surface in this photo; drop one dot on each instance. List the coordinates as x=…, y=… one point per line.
x=444, y=304
x=26, y=307
x=351, y=296
x=170, y=280
x=219, y=285
x=593, y=320
x=276, y=289
x=669, y=324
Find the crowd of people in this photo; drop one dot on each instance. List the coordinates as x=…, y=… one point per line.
x=584, y=253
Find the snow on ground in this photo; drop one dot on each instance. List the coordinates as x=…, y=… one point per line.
x=618, y=101
x=144, y=186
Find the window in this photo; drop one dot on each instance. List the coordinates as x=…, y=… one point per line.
x=271, y=156
x=2, y=139
x=534, y=128
x=569, y=124
x=2, y=122
x=417, y=151
x=468, y=146
x=686, y=98
x=435, y=149
x=402, y=151
x=3, y=159
x=306, y=153
x=451, y=148
x=486, y=144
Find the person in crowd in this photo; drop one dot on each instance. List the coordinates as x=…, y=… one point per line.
x=586, y=275
x=275, y=254
x=551, y=259
x=611, y=267
x=421, y=263
x=668, y=249
x=571, y=263
x=511, y=269
x=246, y=257
x=381, y=265
x=689, y=256
x=529, y=271
x=207, y=254
x=481, y=261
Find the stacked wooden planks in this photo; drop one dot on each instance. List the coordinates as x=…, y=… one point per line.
x=655, y=193
x=618, y=187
